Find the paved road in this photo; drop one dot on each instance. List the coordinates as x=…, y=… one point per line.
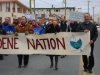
x=39, y=65
x=97, y=56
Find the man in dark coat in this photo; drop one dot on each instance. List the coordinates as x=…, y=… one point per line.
x=64, y=27
x=63, y=24
x=86, y=26
x=73, y=26
x=22, y=28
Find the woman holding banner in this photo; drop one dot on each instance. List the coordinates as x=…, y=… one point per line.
x=22, y=28
x=53, y=28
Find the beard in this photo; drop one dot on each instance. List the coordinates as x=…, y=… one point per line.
x=6, y=23
x=23, y=24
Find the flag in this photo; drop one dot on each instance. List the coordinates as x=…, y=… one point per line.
x=39, y=31
x=12, y=28
x=9, y=29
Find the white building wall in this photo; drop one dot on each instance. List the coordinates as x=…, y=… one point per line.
x=5, y=14
x=11, y=6
x=3, y=7
x=97, y=18
x=61, y=12
x=16, y=8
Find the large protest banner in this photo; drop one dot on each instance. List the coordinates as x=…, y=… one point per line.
x=66, y=43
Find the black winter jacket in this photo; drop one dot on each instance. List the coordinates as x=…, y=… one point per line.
x=90, y=26
x=52, y=29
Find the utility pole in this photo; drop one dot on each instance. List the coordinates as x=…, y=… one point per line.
x=88, y=6
x=34, y=7
x=65, y=9
x=93, y=12
x=30, y=3
x=30, y=6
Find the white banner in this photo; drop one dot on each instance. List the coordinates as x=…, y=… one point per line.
x=65, y=43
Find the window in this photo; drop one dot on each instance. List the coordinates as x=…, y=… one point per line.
x=48, y=10
x=0, y=6
x=56, y=10
x=13, y=7
x=70, y=9
x=7, y=7
x=42, y=15
x=59, y=10
x=24, y=10
x=19, y=9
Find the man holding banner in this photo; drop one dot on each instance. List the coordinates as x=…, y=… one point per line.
x=64, y=27
x=63, y=24
x=22, y=28
x=87, y=26
x=6, y=28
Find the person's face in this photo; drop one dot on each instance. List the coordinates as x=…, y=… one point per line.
x=16, y=20
x=62, y=18
x=50, y=22
x=6, y=20
x=86, y=17
x=33, y=22
x=55, y=22
x=19, y=20
x=30, y=22
x=23, y=20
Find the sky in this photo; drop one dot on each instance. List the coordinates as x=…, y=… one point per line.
x=83, y=4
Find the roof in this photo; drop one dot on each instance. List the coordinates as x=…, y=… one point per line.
x=57, y=8
x=7, y=0
x=16, y=1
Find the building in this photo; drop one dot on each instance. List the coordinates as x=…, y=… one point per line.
x=12, y=9
x=46, y=12
x=97, y=18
